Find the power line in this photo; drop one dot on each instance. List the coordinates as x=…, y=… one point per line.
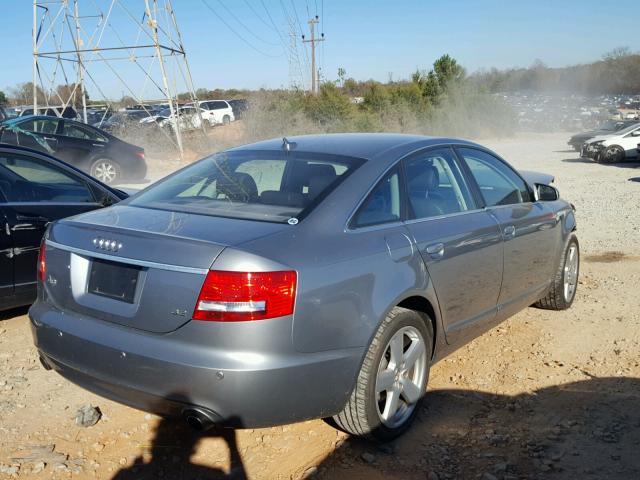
x=299, y=31
x=273, y=24
x=248, y=4
x=232, y=15
x=237, y=34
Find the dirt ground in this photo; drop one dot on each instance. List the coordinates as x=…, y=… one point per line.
x=545, y=395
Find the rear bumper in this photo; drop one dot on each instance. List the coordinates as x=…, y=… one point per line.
x=166, y=375
x=135, y=170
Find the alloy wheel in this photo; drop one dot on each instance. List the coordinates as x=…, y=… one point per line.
x=401, y=377
x=105, y=171
x=571, y=273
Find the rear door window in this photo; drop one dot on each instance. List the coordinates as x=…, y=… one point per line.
x=75, y=131
x=269, y=186
x=218, y=105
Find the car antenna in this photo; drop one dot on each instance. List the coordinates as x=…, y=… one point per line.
x=287, y=145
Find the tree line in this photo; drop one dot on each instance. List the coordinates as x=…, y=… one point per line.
x=618, y=72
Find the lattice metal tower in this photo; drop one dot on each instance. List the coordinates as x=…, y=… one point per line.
x=91, y=43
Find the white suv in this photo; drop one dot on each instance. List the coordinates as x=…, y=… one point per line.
x=615, y=147
x=216, y=111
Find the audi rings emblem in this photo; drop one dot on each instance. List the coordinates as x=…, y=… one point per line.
x=106, y=244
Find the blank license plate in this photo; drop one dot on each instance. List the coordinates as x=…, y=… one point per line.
x=113, y=280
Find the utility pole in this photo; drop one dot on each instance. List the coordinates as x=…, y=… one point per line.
x=153, y=24
x=35, y=56
x=314, y=74
x=86, y=44
x=78, y=43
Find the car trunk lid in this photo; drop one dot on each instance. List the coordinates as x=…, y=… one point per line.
x=136, y=267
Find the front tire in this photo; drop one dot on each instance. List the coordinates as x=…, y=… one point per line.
x=613, y=154
x=106, y=170
x=392, y=380
x=565, y=283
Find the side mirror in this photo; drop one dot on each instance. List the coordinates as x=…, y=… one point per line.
x=547, y=193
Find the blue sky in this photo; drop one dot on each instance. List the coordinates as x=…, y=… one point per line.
x=368, y=38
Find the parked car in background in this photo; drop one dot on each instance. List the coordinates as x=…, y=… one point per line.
x=52, y=111
x=215, y=112
x=97, y=117
x=610, y=126
x=119, y=121
x=187, y=118
x=36, y=189
x=615, y=147
x=239, y=107
x=324, y=274
x=95, y=151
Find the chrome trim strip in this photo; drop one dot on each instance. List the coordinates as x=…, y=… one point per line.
x=131, y=261
x=445, y=215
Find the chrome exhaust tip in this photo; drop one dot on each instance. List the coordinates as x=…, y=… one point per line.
x=198, y=419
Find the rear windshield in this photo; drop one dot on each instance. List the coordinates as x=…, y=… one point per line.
x=268, y=186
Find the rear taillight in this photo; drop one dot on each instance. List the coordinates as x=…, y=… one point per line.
x=140, y=154
x=42, y=261
x=242, y=296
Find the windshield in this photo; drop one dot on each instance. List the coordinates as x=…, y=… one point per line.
x=254, y=185
x=609, y=126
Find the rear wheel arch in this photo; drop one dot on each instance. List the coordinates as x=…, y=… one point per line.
x=417, y=303
x=423, y=307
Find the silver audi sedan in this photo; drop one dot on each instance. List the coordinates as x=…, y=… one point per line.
x=311, y=277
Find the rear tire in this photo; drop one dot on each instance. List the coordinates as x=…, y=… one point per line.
x=392, y=380
x=565, y=282
x=106, y=170
x=226, y=120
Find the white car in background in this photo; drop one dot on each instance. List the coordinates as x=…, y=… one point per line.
x=216, y=112
x=187, y=118
x=615, y=147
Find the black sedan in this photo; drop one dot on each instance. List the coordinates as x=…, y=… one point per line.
x=609, y=127
x=95, y=151
x=36, y=189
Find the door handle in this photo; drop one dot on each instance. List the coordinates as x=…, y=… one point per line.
x=509, y=231
x=98, y=145
x=435, y=250
x=51, y=139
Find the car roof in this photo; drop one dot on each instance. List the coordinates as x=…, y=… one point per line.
x=34, y=117
x=361, y=145
x=69, y=120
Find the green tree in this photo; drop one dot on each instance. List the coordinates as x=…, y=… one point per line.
x=342, y=73
x=376, y=97
x=3, y=98
x=329, y=106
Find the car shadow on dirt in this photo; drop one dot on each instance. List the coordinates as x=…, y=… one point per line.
x=587, y=429
x=172, y=449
